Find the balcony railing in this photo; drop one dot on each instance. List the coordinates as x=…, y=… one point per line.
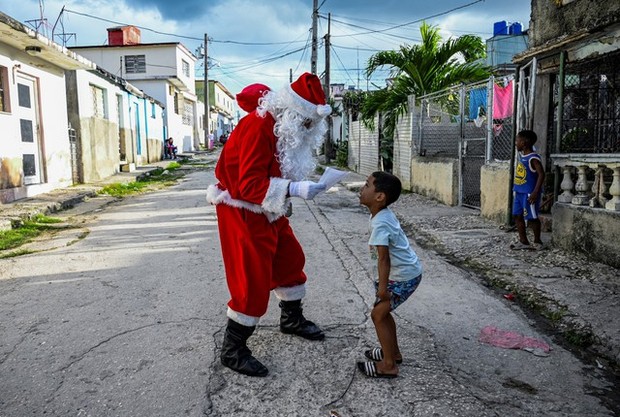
x=600, y=192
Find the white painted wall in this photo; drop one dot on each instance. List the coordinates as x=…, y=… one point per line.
x=53, y=119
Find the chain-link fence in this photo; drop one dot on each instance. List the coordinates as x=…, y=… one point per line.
x=473, y=123
x=467, y=112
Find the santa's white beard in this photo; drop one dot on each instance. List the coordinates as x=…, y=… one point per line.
x=296, y=144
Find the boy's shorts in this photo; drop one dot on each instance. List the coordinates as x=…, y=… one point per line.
x=400, y=290
x=520, y=206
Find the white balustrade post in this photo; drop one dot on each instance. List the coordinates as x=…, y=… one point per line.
x=581, y=187
x=566, y=185
x=599, y=188
x=614, y=190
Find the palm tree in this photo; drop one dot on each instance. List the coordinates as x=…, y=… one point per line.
x=424, y=68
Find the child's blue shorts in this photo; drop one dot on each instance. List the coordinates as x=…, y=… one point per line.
x=521, y=206
x=400, y=290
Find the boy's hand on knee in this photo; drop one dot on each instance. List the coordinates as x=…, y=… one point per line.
x=383, y=295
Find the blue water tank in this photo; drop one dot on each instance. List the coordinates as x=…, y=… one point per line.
x=500, y=28
x=516, y=28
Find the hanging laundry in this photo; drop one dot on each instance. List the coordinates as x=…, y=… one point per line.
x=477, y=102
x=502, y=101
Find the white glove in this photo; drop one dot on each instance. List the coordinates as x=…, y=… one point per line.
x=305, y=189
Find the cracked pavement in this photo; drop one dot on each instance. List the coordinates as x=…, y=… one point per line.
x=128, y=322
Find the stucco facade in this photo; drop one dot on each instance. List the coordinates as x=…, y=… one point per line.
x=166, y=73
x=35, y=156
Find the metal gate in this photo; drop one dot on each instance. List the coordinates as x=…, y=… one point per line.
x=474, y=101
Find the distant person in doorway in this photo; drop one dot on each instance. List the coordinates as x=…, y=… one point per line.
x=527, y=191
x=399, y=272
x=170, y=149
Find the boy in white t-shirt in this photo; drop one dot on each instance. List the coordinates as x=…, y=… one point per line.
x=399, y=271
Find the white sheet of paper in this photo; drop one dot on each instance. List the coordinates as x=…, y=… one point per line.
x=331, y=176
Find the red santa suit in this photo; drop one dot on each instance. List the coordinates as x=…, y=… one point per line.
x=259, y=249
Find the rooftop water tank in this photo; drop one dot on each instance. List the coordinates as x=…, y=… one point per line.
x=516, y=28
x=500, y=28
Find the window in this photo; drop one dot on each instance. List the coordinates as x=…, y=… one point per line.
x=185, y=67
x=176, y=103
x=188, y=113
x=135, y=64
x=5, y=104
x=591, y=108
x=153, y=109
x=99, y=102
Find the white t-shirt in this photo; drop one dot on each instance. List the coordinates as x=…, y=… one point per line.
x=385, y=230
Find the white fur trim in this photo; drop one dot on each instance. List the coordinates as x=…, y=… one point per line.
x=290, y=293
x=324, y=110
x=244, y=320
x=215, y=195
x=290, y=99
x=275, y=199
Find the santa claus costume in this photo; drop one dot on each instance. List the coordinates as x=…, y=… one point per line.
x=264, y=162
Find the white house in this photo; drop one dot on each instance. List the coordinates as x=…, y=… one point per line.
x=115, y=126
x=164, y=71
x=35, y=156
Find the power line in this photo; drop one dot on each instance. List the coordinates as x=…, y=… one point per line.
x=177, y=35
x=415, y=21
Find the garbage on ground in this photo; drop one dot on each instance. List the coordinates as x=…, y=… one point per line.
x=509, y=296
x=512, y=340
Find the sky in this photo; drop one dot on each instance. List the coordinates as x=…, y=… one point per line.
x=262, y=41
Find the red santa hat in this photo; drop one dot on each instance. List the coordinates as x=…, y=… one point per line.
x=306, y=96
x=248, y=97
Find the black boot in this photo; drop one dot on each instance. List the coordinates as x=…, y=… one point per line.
x=235, y=353
x=292, y=321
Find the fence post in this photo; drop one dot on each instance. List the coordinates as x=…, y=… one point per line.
x=489, y=149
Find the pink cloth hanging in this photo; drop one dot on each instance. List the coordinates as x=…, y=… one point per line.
x=502, y=101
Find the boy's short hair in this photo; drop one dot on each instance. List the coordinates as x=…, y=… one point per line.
x=529, y=136
x=388, y=184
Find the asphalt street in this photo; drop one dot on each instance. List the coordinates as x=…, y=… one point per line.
x=125, y=318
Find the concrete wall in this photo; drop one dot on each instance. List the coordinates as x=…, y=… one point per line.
x=436, y=178
x=100, y=148
x=595, y=232
x=549, y=21
x=495, y=191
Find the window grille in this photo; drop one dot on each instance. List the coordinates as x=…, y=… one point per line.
x=188, y=113
x=99, y=102
x=135, y=64
x=185, y=67
x=591, y=117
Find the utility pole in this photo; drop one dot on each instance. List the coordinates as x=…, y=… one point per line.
x=290, y=75
x=315, y=18
x=207, y=122
x=328, y=140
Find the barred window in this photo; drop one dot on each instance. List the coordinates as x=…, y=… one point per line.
x=5, y=105
x=591, y=117
x=99, y=102
x=188, y=113
x=135, y=64
x=185, y=67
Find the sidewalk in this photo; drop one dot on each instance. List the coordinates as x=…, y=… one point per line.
x=66, y=198
x=576, y=299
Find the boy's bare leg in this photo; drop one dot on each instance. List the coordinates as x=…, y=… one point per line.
x=392, y=324
x=380, y=316
x=520, y=223
x=535, y=226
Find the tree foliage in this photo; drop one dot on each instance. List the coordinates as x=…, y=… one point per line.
x=432, y=65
